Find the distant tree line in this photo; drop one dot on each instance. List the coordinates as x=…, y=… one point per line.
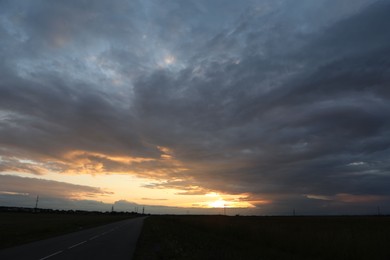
x=58, y=211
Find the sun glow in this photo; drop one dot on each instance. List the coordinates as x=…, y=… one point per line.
x=218, y=204
x=169, y=60
x=230, y=202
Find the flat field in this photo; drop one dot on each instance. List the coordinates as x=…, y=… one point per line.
x=21, y=227
x=224, y=237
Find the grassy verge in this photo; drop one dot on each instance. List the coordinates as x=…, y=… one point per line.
x=18, y=228
x=222, y=237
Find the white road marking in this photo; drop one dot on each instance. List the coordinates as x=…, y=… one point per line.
x=56, y=253
x=77, y=244
x=92, y=238
x=102, y=234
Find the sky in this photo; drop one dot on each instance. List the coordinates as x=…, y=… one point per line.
x=261, y=107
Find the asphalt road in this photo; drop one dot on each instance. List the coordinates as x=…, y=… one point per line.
x=113, y=241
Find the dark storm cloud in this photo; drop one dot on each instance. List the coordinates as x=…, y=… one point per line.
x=297, y=133
x=280, y=100
x=36, y=115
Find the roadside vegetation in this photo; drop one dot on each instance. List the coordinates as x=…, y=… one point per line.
x=223, y=237
x=22, y=227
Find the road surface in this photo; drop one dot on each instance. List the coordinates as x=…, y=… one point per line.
x=113, y=241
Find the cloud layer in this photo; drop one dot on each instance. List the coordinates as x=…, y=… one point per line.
x=282, y=100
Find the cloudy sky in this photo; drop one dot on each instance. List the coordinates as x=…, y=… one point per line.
x=262, y=105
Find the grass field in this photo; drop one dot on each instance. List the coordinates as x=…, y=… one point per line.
x=222, y=237
x=18, y=228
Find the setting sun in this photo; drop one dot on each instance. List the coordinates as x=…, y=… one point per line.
x=218, y=204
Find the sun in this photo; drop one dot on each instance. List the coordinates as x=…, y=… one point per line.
x=218, y=204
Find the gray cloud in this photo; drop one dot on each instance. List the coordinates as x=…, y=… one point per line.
x=267, y=98
x=47, y=188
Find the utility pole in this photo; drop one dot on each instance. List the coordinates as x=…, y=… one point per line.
x=143, y=210
x=379, y=211
x=36, y=203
